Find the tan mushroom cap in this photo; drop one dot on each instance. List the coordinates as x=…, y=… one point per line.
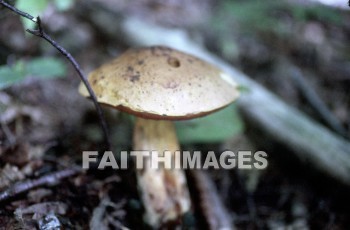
x=161, y=83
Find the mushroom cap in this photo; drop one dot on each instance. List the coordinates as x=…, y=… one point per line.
x=161, y=83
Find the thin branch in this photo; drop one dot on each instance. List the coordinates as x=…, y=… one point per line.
x=41, y=33
x=316, y=102
x=209, y=202
x=17, y=11
x=50, y=179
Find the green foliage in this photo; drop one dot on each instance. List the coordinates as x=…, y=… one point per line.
x=11, y=75
x=316, y=12
x=213, y=128
x=43, y=67
x=271, y=15
x=63, y=5
x=36, y=7
x=252, y=13
x=33, y=7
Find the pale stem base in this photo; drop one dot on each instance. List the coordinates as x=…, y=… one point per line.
x=164, y=192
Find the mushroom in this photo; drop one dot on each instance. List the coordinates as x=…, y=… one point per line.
x=158, y=85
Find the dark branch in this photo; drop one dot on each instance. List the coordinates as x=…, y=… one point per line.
x=208, y=201
x=50, y=179
x=41, y=33
x=316, y=103
x=17, y=11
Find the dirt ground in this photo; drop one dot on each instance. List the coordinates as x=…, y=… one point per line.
x=46, y=124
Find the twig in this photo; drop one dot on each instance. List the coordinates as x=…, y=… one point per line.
x=50, y=179
x=8, y=134
x=211, y=206
x=247, y=195
x=41, y=33
x=316, y=103
x=101, y=218
x=17, y=11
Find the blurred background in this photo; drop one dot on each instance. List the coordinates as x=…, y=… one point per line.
x=298, y=50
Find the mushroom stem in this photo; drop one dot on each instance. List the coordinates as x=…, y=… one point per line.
x=163, y=191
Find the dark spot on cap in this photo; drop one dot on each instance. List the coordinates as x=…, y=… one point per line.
x=140, y=62
x=160, y=50
x=130, y=69
x=171, y=85
x=134, y=78
x=174, y=62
